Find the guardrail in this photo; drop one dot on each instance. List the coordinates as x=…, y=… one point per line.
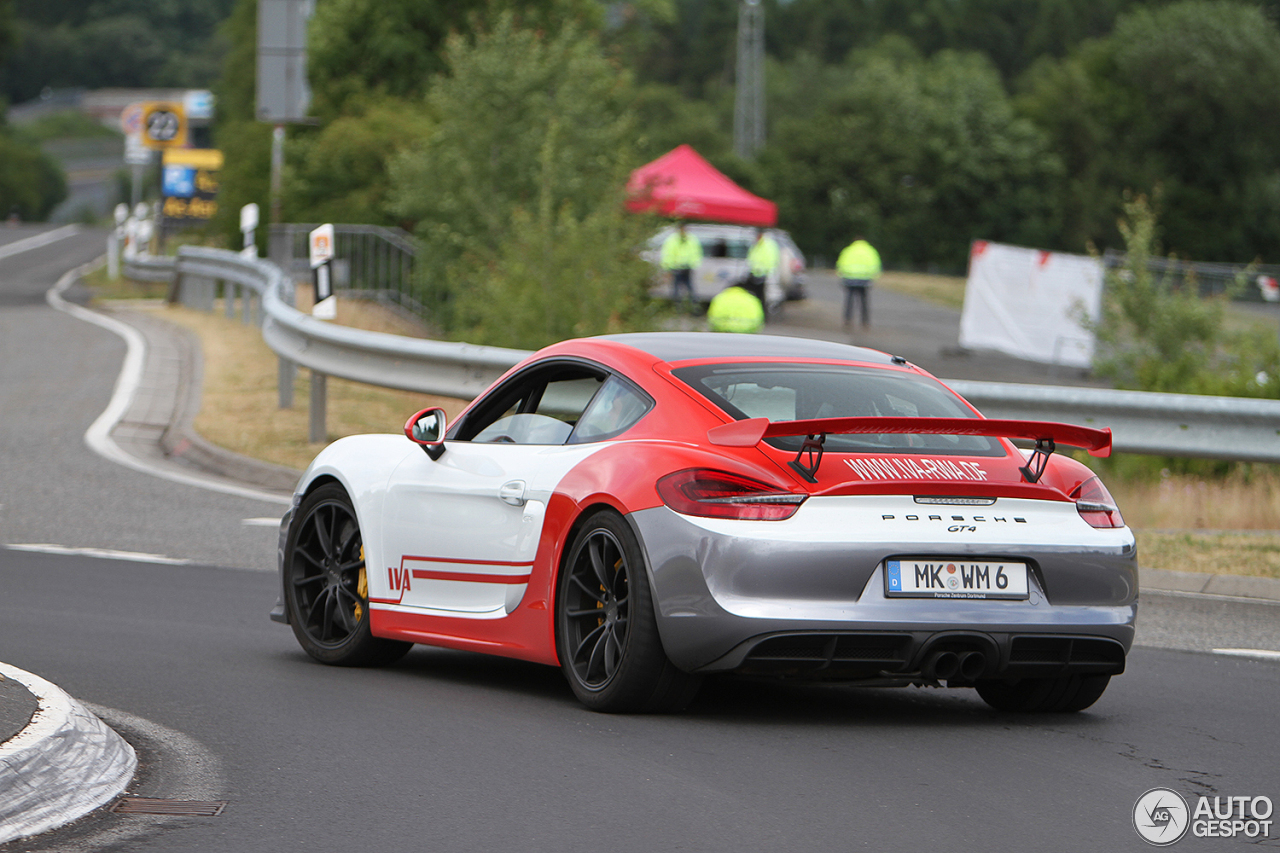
x=1231, y=428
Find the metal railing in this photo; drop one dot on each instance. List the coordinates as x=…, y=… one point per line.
x=1142, y=422
x=371, y=259
x=1212, y=279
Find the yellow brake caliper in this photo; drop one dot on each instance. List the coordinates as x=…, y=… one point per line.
x=362, y=587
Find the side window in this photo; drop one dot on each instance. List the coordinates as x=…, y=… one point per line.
x=613, y=411
x=539, y=407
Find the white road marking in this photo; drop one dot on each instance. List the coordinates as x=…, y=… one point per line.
x=103, y=553
x=98, y=436
x=260, y=522
x=1264, y=654
x=38, y=240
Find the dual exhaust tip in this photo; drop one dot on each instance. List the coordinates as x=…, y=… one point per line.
x=946, y=665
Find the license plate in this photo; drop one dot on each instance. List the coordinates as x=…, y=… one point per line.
x=954, y=579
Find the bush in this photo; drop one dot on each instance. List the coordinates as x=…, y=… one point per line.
x=31, y=182
x=517, y=191
x=1157, y=333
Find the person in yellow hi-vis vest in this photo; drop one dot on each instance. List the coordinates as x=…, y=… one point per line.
x=763, y=259
x=735, y=310
x=858, y=267
x=681, y=255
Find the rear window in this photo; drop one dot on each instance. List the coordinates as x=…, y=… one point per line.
x=791, y=392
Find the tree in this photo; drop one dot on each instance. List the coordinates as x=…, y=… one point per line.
x=1158, y=334
x=61, y=43
x=245, y=142
x=1185, y=97
x=31, y=183
x=374, y=49
x=517, y=193
x=338, y=173
x=919, y=155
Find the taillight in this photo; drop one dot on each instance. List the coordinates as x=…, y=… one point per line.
x=719, y=494
x=1095, y=504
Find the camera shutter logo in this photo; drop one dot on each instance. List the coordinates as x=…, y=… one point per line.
x=1161, y=817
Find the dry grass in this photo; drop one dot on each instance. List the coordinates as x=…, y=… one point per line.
x=123, y=288
x=1181, y=502
x=239, y=400
x=1192, y=524
x=1223, y=552
x=944, y=290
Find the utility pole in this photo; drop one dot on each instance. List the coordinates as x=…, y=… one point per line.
x=748, y=108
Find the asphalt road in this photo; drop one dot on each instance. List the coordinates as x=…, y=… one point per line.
x=452, y=751
x=458, y=752
x=56, y=376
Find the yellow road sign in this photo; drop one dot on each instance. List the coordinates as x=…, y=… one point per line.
x=164, y=124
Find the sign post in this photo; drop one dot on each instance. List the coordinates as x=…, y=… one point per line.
x=248, y=223
x=321, y=253
x=283, y=95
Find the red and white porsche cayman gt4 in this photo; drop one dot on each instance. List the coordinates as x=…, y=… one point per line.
x=644, y=509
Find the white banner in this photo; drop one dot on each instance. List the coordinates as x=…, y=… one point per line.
x=1031, y=304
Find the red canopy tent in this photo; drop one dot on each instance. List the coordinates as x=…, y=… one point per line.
x=681, y=184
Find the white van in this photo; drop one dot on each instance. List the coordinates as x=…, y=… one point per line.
x=724, y=262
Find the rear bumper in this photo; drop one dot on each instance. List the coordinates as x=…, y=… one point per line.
x=808, y=599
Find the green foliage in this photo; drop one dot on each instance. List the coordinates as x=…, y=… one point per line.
x=7, y=36
x=1185, y=97
x=920, y=155
x=339, y=173
x=666, y=118
x=71, y=43
x=31, y=182
x=1158, y=334
x=245, y=142
x=517, y=192
x=556, y=275
x=377, y=49
x=695, y=50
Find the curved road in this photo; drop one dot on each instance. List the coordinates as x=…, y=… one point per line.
x=456, y=752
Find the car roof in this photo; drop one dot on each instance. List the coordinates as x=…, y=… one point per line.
x=691, y=346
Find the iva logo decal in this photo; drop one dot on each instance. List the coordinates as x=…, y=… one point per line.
x=398, y=579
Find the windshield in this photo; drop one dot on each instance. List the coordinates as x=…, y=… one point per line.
x=788, y=392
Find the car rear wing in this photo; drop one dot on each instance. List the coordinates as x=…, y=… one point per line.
x=1045, y=434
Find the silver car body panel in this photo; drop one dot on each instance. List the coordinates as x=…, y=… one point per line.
x=720, y=584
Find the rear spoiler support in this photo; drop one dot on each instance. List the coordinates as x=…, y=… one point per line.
x=1034, y=469
x=812, y=447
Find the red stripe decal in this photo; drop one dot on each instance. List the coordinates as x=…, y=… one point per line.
x=460, y=562
x=422, y=574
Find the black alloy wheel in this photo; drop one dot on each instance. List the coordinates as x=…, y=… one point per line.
x=326, y=585
x=598, y=609
x=606, y=633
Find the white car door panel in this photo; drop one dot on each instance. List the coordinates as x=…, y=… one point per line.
x=460, y=533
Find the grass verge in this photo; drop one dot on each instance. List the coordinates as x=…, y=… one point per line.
x=946, y=291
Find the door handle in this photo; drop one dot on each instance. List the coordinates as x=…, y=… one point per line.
x=512, y=493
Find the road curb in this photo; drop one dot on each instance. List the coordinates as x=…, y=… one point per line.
x=179, y=440
x=1200, y=583
x=135, y=444
x=63, y=765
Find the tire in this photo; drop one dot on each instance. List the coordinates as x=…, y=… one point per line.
x=326, y=589
x=606, y=634
x=1068, y=693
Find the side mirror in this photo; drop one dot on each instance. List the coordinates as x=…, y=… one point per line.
x=426, y=429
